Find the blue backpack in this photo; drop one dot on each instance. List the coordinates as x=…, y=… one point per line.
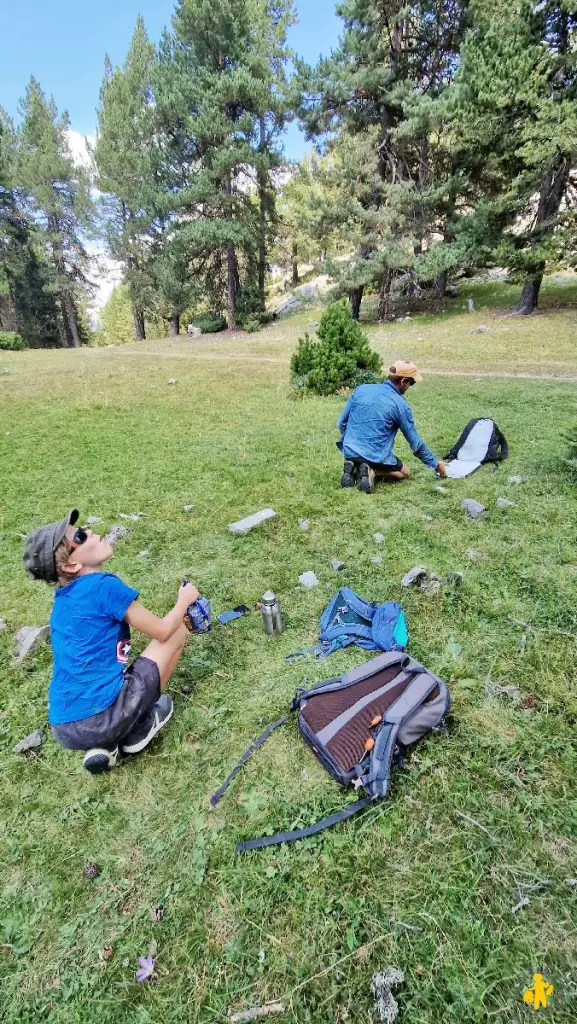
x=348, y=619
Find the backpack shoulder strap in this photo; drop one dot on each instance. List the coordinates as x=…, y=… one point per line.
x=245, y=757
x=302, y=833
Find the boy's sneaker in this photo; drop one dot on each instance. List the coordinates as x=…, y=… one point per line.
x=349, y=474
x=100, y=760
x=366, y=478
x=148, y=725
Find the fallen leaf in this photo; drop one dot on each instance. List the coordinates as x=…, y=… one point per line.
x=104, y=955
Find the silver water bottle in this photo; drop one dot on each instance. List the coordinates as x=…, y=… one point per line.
x=271, y=615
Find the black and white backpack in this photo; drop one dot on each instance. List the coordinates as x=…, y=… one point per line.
x=480, y=442
x=358, y=725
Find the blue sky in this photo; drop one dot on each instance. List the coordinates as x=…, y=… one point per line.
x=63, y=42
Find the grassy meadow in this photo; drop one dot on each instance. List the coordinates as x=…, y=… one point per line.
x=479, y=821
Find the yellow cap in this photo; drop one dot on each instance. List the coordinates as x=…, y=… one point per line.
x=403, y=369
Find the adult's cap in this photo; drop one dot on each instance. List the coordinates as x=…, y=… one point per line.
x=403, y=369
x=40, y=547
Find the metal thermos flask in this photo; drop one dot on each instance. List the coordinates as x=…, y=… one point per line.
x=271, y=615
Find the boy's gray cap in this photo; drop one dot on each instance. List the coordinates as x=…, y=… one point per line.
x=41, y=545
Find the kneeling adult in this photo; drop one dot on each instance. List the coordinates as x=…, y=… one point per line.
x=369, y=423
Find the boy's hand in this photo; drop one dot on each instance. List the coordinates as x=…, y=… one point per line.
x=188, y=594
x=441, y=470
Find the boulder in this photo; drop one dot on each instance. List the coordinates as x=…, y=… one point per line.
x=28, y=639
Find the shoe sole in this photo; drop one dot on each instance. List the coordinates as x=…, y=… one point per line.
x=348, y=479
x=366, y=484
x=135, y=748
x=99, y=763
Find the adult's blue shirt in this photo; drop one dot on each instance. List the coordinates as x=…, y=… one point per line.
x=91, y=645
x=369, y=423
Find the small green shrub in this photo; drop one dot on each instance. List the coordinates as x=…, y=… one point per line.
x=209, y=323
x=341, y=358
x=256, y=321
x=11, y=341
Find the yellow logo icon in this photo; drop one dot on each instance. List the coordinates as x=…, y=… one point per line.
x=539, y=993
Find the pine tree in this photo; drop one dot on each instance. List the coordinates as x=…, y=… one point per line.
x=515, y=128
x=124, y=164
x=22, y=270
x=394, y=62
x=218, y=112
x=57, y=197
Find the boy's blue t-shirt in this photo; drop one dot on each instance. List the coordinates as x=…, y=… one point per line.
x=91, y=645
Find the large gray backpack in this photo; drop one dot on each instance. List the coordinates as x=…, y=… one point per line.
x=358, y=725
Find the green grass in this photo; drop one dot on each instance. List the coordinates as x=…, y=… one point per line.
x=310, y=922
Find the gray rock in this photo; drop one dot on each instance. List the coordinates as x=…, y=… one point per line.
x=28, y=639
x=475, y=556
x=309, y=579
x=3, y=625
x=304, y=524
x=288, y=306
x=431, y=587
x=143, y=554
x=494, y=690
x=377, y=560
x=454, y=578
x=415, y=575
x=188, y=508
x=244, y=526
x=473, y=508
x=378, y=538
x=427, y=519
x=505, y=503
x=481, y=329
x=440, y=489
x=385, y=1003
x=93, y=520
x=133, y=516
x=337, y=565
x=31, y=742
x=517, y=479
x=117, y=533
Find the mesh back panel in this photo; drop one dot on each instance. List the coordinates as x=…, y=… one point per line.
x=348, y=745
x=321, y=710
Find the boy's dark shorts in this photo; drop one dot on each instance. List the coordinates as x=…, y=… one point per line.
x=140, y=690
x=389, y=467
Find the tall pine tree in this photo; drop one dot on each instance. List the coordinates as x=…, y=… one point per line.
x=219, y=110
x=57, y=197
x=124, y=165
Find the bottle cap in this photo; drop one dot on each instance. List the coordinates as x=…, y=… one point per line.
x=268, y=597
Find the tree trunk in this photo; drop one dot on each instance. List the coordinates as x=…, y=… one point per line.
x=231, y=286
x=441, y=284
x=530, y=295
x=71, y=324
x=550, y=197
x=355, y=299
x=294, y=265
x=174, y=325
x=384, y=294
x=263, y=201
x=138, y=321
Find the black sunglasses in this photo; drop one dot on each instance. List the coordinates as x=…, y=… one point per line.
x=80, y=537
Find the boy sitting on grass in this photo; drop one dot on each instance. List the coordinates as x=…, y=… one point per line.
x=97, y=701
